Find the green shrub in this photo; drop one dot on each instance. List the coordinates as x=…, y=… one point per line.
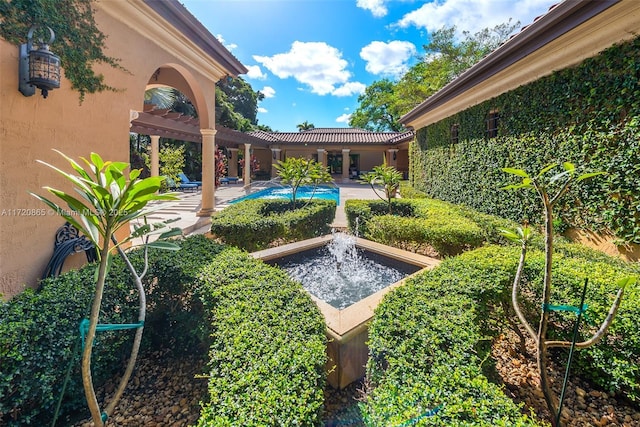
x=614, y=363
x=359, y=212
x=267, y=355
x=407, y=191
x=413, y=367
x=416, y=223
x=254, y=224
x=447, y=235
x=260, y=322
x=426, y=352
x=38, y=335
x=174, y=309
x=243, y=225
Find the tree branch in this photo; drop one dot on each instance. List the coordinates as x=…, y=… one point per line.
x=514, y=293
x=601, y=332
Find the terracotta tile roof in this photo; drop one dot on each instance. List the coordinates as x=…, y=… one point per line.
x=335, y=136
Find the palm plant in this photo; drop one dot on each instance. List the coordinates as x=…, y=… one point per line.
x=385, y=176
x=109, y=200
x=305, y=126
x=296, y=172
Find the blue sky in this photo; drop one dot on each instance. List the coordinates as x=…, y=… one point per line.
x=312, y=58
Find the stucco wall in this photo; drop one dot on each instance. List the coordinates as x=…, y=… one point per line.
x=31, y=127
x=369, y=159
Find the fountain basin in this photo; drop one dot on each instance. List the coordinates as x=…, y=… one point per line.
x=347, y=328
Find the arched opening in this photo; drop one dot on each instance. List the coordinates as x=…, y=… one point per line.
x=177, y=110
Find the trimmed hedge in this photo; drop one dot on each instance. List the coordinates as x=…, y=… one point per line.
x=38, y=335
x=268, y=351
x=174, y=306
x=598, y=126
x=429, y=339
x=254, y=224
x=39, y=329
x=407, y=191
x=415, y=223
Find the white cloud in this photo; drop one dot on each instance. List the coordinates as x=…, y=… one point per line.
x=255, y=72
x=262, y=110
x=315, y=64
x=390, y=59
x=349, y=88
x=229, y=46
x=344, y=118
x=377, y=7
x=474, y=15
x=268, y=92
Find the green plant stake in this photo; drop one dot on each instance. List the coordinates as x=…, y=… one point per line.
x=581, y=309
x=108, y=201
x=550, y=190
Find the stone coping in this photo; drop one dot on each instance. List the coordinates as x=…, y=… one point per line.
x=353, y=319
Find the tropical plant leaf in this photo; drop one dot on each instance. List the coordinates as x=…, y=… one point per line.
x=517, y=172
x=170, y=246
x=626, y=281
x=589, y=175
x=547, y=168
x=174, y=232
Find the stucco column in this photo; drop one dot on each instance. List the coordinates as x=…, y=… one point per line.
x=345, y=163
x=275, y=158
x=392, y=157
x=155, y=155
x=246, y=173
x=322, y=157
x=208, y=172
x=232, y=162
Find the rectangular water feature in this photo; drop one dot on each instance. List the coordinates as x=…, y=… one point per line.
x=342, y=274
x=347, y=321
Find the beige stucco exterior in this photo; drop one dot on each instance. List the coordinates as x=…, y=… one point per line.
x=31, y=127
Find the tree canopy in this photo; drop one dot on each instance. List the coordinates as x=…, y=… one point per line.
x=237, y=104
x=446, y=57
x=305, y=126
x=375, y=112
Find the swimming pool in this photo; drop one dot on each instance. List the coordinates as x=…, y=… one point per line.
x=305, y=192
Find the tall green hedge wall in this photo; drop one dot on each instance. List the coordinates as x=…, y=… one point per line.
x=588, y=114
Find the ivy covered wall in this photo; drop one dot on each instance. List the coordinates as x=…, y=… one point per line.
x=588, y=114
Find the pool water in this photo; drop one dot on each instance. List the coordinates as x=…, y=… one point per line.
x=305, y=192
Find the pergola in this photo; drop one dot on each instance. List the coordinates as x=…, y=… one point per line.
x=163, y=123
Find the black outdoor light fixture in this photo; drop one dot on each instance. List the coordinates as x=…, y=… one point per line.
x=39, y=68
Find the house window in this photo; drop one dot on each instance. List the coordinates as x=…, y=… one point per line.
x=493, y=118
x=454, y=133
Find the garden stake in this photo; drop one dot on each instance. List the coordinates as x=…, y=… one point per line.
x=573, y=345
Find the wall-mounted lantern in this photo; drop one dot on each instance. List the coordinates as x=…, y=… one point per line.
x=39, y=67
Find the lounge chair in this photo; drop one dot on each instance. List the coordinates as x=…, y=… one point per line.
x=184, y=179
x=182, y=186
x=229, y=180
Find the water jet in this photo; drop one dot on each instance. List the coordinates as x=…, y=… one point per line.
x=369, y=271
